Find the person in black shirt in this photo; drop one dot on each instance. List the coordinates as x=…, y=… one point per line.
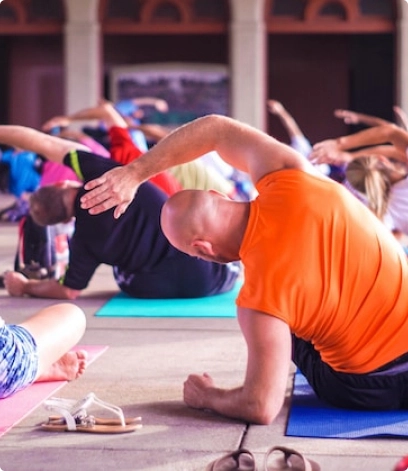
x=145, y=264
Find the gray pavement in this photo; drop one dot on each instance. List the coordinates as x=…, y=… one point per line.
x=143, y=371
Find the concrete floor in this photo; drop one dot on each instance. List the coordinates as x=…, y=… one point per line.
x=143, y=371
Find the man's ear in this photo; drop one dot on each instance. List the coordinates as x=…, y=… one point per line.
x=204, y=245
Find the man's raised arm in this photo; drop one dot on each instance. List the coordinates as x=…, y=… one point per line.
x=238, y=144
x=51, y=147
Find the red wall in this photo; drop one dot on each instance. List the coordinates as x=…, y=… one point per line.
x=311, y=74
x=35, y=79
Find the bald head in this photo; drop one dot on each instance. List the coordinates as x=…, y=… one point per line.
x=204, y=224
x=183, y=216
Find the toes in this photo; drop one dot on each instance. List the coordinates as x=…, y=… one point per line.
x=81, y=354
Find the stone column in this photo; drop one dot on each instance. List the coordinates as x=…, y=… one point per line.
x=402, y=55
x=83, y=77
x=248, y=62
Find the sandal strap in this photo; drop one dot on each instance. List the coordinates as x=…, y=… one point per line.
x=62, y=406
x=91, y=399
x=288, y=452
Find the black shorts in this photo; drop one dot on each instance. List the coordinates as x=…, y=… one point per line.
x=385, y=388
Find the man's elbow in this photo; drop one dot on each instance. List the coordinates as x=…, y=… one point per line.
x=263, y=413
x=264, y=418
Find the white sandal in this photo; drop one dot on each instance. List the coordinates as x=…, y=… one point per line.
x=73, y=417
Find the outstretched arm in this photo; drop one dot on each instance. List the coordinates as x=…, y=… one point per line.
x=287, y=120
x=385, y=150
x=160, y=104
x=18, y=285
x=352, y=117
x=261, y=397
x=378, y=135
x=238, y=144
x=51, y=147
x=104, y=111
x=401, y=117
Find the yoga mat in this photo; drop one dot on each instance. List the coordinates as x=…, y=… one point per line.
x=310, y=417
x=15, y=408
x=219, y=305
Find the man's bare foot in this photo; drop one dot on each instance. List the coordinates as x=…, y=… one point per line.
x=69, y=367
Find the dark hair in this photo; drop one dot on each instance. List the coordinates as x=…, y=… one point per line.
x=47, y=205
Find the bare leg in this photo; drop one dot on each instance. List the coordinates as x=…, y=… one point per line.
x=57, y=329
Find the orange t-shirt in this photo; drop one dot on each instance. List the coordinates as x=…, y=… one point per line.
x=318, y=259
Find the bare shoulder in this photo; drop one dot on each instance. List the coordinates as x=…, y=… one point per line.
x=253, y=150
x=274, y=156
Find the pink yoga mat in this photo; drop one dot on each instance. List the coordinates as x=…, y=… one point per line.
x=15, y=408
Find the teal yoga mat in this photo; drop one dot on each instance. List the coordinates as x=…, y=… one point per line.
x=219, y=305
x=310, y=417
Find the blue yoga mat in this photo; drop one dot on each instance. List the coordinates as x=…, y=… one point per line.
x=220, y=305
x=310, y=417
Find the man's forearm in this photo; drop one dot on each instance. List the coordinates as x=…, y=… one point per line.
x=238, y=404
x=190, y=142
x=240, y=145
x=48, y=289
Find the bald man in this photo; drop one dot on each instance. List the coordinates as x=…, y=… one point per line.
x=326, y=284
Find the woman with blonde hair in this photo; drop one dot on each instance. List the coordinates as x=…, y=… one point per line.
x=376, y=167
x=382, y=185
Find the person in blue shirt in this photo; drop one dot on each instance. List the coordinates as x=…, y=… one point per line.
x=24, y=170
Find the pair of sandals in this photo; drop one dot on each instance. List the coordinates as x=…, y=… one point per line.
x=73, y=416
x=277, y=458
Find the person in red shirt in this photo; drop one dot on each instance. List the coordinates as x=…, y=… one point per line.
x=122, y=148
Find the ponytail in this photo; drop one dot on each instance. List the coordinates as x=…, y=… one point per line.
x=368, y=176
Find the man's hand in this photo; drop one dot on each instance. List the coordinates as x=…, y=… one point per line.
x=260, y=398
x=195, y=389
x=14, y=283
x=117, y=187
